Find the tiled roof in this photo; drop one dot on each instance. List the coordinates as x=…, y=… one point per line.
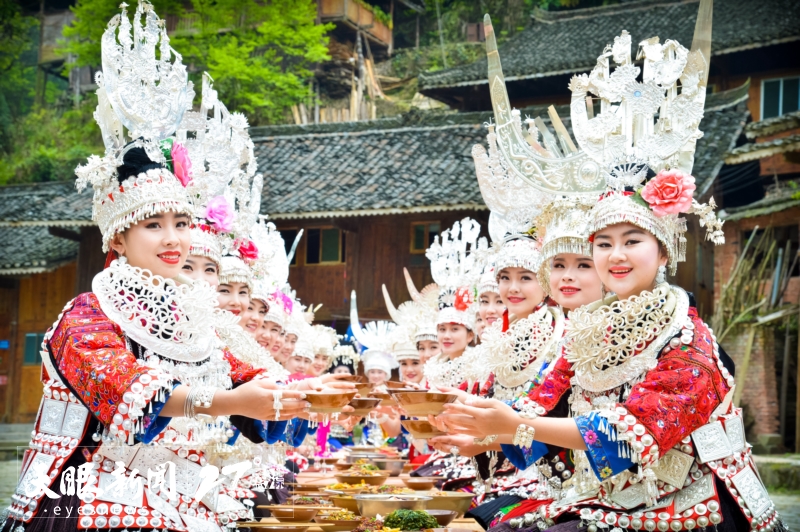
x=769, y=205
x=772, y=126
x=570, y=41
x=27, y=250
x=759, y=150
x=415, y=162
x=55, y=203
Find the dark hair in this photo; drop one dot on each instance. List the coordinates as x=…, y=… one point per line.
x=134, y=162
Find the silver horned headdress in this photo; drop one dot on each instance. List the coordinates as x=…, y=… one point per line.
x=147, y=96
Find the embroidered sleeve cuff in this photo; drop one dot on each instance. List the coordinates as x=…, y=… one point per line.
x=605, y=454
x=145, y=392
x=524, y=458
x=153, y=423
x=642, y=448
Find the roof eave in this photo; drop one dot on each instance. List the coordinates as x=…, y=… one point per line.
x=378, y=212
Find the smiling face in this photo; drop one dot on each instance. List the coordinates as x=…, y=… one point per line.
x=377, y=376
x=268, y=333
x=286, y=343
x=159, y=243
x=319, y=365
x=234, y=297
x=520, y=291
x=410, y=370
x=574, y=281
x=428, y=349
x=453, y=339
x=627, y=259
x=297, y=364
x=253, y=317
x=490, y=307
x=201, y=268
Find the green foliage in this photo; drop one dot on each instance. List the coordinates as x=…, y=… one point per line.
x=46, y=145
x=260, y=54
x=408, y=62
x=17, y=67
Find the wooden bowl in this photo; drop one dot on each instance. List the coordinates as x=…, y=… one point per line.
x=339, y=526
x=420, y=483
x=357, y=379
x=294, y=514
x=422, y=403
x=372, y=505
x=409, y=467
x=327, y=459
x=386, y=399
x=443, y=517
x=361, y=449
x=362, y=407
x=278, y=527
x=392, y=465
x=348, y=491
x=341, y=466
x=345, y=502
x=328, y=402
x=377, y=480
x=456, y=501
x=421, y=429
x=394, y=385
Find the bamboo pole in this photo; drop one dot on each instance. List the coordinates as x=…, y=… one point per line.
x=742, y=372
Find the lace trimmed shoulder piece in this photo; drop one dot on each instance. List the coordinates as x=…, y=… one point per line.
x=170, y=320
x=612, y=342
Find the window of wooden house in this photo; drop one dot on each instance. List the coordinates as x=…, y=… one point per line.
x=779, y=96
x=325, y=245
x=33, y=345
x=422, y=235
x=288, y=236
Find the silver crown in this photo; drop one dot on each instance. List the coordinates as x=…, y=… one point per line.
x=147, y=96
x=566, y=231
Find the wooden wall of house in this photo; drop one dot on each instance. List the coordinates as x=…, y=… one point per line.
x=9, y=290
x=377, y=250
x=41, y=297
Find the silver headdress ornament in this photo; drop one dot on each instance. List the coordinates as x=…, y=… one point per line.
x=325, y=340
x=345, y=354
x=455, y=266
x=295, y=322
x=416, y=319
x=148, y=96
x=566, y=231
x=374, y=336
x=652, y=124
x=427, y=298
x=518, y=251
x=524, y=168
x=232, y=269
x=271, y=269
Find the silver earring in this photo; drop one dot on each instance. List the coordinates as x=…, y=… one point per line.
x=661, y=276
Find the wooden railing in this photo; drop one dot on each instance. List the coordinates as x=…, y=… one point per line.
x=356, y=16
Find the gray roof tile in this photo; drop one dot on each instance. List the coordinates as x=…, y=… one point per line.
x=570, y=41
x=26, y=250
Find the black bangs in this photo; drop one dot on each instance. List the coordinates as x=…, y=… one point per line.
x=134, y=162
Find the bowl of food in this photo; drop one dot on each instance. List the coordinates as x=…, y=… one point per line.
x=277, y=527
x=317, y=500
x=341, y=465
x=457, y=501
x=353, y=477
x=362, y=449
x=364, y=458
x=329, y=401
x=421, y=429
x=381, y=504
x=443, y=517
x=342, y=487
x=420, y=483
x=409, y=520
x=393, y=465
x=294, y=514
x=392, y=490
x=345, y=502
x=362, y=407
x=422, y=403
x=340, y=521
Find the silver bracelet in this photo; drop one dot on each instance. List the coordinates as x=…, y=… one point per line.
x=276, y=403
x=488, y=440
x=524, y=436
x=198, y=396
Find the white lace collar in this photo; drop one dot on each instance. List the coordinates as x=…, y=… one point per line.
x=441, y=371
x=170, y=320
x=517, y=355
x=604, y=338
